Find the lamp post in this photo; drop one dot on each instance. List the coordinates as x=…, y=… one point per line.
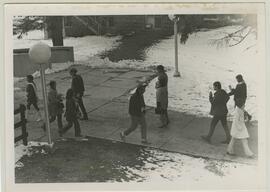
x=175, y=20
x=40, y=54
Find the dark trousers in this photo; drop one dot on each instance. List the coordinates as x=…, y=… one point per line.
x=81, y=105
x=76, y=124
x=59, y=121
x=164, y=118
x=223, y=120
x=135, y=121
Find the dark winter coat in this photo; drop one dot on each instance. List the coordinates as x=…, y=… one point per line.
x=240, y=94
x=31, y=93
x=72, y=110
x=77, y=85
x=136, y=104
x=219, y=103
x=54, y=103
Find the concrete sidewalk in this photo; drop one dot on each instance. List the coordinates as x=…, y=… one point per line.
x=106, y=101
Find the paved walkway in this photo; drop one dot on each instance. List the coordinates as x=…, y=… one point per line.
x=106, y=100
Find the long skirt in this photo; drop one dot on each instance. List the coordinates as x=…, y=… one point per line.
x=162, y=97
x=239, y=129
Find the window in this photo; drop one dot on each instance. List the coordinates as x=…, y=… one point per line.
x=68, y=21
x=111, y=22
x=157, y=21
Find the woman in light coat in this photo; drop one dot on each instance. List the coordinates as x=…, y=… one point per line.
x=239, y=131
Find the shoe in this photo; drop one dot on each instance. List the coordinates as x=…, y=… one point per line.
x=122, y=136
x=162, y=126
x=225, y=142
x=205, y=138
x=144, y=141
x=231, y=154
x=84, y=118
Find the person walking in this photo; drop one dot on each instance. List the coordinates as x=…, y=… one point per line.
x=55, y=106
x=162, y=96
x=137, y=114
x=77, y=86
x=32, y=97
x=240, y=95
x=71, y=114
x=219, y=111
x=239, y=132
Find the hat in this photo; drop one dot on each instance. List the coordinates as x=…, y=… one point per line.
x=141, y=86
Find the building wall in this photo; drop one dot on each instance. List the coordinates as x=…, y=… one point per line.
x=117, y=24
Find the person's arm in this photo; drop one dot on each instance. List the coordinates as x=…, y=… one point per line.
x=82, y=84
x=211, y=97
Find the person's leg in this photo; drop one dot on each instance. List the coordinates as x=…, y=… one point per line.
x=77, y=128
x=133, y=125
x=230, y=148
x=167, y=117
x=51, y=119
x=27, y=114
x=39, y=116
x=59, y=122
x=81, y=105
x=247, y=150
x=213, y=124
x=67, y=127
x=163, y=119
x=142, y=122
x=224, y=123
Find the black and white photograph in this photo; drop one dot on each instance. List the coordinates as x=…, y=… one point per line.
x=171, y=95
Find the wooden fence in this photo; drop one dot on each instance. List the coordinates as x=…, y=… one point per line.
x=22, y=124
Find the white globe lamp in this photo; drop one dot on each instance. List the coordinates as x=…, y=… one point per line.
x=40, y=53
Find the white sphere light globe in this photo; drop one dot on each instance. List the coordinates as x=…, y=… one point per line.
x=40, y=53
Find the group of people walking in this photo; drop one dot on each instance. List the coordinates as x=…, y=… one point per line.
x=219, y=112
x=137, y=105
x=137, y=108
x=74, y=103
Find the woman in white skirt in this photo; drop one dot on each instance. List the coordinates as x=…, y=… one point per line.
x=239, y=131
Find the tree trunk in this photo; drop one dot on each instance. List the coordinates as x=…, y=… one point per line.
x=55, y=27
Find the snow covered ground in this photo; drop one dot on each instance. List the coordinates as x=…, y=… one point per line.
x=200, y=64
x=188, y=171
x=158, y=166
x=84, y=47
x=22, y=150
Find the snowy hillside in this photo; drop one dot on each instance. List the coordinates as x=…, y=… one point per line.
x=201, y=64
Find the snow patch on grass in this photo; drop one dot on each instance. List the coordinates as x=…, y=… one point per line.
x=22, y=150
x=160, y=166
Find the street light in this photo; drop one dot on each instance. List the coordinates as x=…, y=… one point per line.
x=174, y=18
x=40, y=54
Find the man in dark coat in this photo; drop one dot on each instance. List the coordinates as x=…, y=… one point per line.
x=219, y=111
x=137, y=113
x=240, y=94
x=77, y=87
